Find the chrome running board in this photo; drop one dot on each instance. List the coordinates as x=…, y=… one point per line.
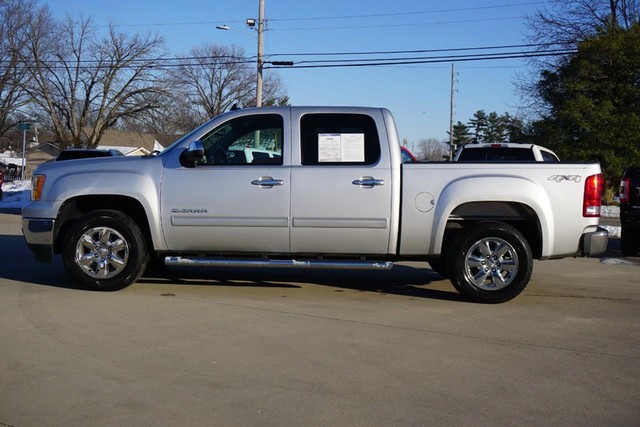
x=278, y=263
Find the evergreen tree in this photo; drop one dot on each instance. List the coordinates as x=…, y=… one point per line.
x=593, y=102
x=496, y=128
x=479, y=124
x=461, y=134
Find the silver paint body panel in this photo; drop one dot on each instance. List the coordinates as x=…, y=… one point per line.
x=385, y=209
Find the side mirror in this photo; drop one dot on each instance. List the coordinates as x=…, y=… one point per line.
x=192, y=154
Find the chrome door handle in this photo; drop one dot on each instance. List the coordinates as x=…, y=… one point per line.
x=267, y=182
x=368, y=181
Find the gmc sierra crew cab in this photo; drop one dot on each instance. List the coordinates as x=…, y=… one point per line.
x=334, y=194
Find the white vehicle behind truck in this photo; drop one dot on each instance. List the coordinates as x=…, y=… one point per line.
x=334, y=193
x=504, y=152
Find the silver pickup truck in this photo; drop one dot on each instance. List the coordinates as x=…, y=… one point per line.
x=329, y=191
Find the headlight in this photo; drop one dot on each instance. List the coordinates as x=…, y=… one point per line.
x=37, y=184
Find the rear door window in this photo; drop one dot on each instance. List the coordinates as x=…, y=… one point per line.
x=339, y=139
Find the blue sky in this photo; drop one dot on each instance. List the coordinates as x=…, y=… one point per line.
x=418, y=95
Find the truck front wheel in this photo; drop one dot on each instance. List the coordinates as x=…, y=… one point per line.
x=105, y=250
x=490, y=262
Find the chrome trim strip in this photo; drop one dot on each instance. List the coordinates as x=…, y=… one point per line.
x=209, y=221
x=376, y=223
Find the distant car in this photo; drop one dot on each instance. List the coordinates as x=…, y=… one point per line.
x=630, y=212
x=407, y=157
x=81, y=153
x=248, y=155
x=504, y=152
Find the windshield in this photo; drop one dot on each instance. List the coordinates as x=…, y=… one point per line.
x=184, y=138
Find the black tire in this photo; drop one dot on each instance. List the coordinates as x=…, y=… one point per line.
x=105, y=251
x=629, y=240
x=490, y=262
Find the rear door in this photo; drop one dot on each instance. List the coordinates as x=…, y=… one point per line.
x=341, y=184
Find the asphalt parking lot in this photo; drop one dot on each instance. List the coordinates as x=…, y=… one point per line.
x=238, y=347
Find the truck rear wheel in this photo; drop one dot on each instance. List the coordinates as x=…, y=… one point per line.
x=105, y=251
x=490, y=262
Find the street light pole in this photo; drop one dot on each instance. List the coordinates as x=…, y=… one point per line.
x=251, y=23
x=260, y=53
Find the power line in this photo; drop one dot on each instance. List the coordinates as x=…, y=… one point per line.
x=433, y=60
x=338, y=17
x=476, y=56
x=416, y=24
x=391, y=52
x=192, y=60
x=421, y=12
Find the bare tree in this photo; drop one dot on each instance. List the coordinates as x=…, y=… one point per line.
x=84, y=84
x=569, y=22
x=213, y=78
x=14, y=15
x=432, y=149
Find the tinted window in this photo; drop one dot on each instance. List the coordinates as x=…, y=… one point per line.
x=245, y=140
x=339, y=139
x=497, y=154
x=548, y=157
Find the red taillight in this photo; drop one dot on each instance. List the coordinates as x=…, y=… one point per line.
x=625, y=186
x=592, y=196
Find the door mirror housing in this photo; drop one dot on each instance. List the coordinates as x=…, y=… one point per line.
x=192, y=154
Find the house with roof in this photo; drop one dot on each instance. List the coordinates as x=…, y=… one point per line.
x=128, y=143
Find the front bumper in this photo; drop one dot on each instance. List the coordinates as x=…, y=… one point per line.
x=594, y=242
x=39, y=234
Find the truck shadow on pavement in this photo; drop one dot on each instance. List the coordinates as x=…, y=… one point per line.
x=402, y=280
x=19, y=265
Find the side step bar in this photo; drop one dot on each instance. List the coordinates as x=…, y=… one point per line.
x=278, y=263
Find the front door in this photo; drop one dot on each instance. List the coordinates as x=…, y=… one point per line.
x=237, y=197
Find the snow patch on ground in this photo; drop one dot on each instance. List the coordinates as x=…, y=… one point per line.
x=610, y=211
x=618, y=261
x=16, y=194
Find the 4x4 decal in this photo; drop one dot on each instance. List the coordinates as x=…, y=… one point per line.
x=560, y=178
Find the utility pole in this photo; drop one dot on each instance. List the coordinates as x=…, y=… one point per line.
x=260, y=53
x=24, y=127
x=451, y=148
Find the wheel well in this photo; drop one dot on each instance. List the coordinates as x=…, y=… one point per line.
x=73, y=209
x=518, y=215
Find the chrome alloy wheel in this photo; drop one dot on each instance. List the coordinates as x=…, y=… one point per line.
x=102, y=252
x=491, y=264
